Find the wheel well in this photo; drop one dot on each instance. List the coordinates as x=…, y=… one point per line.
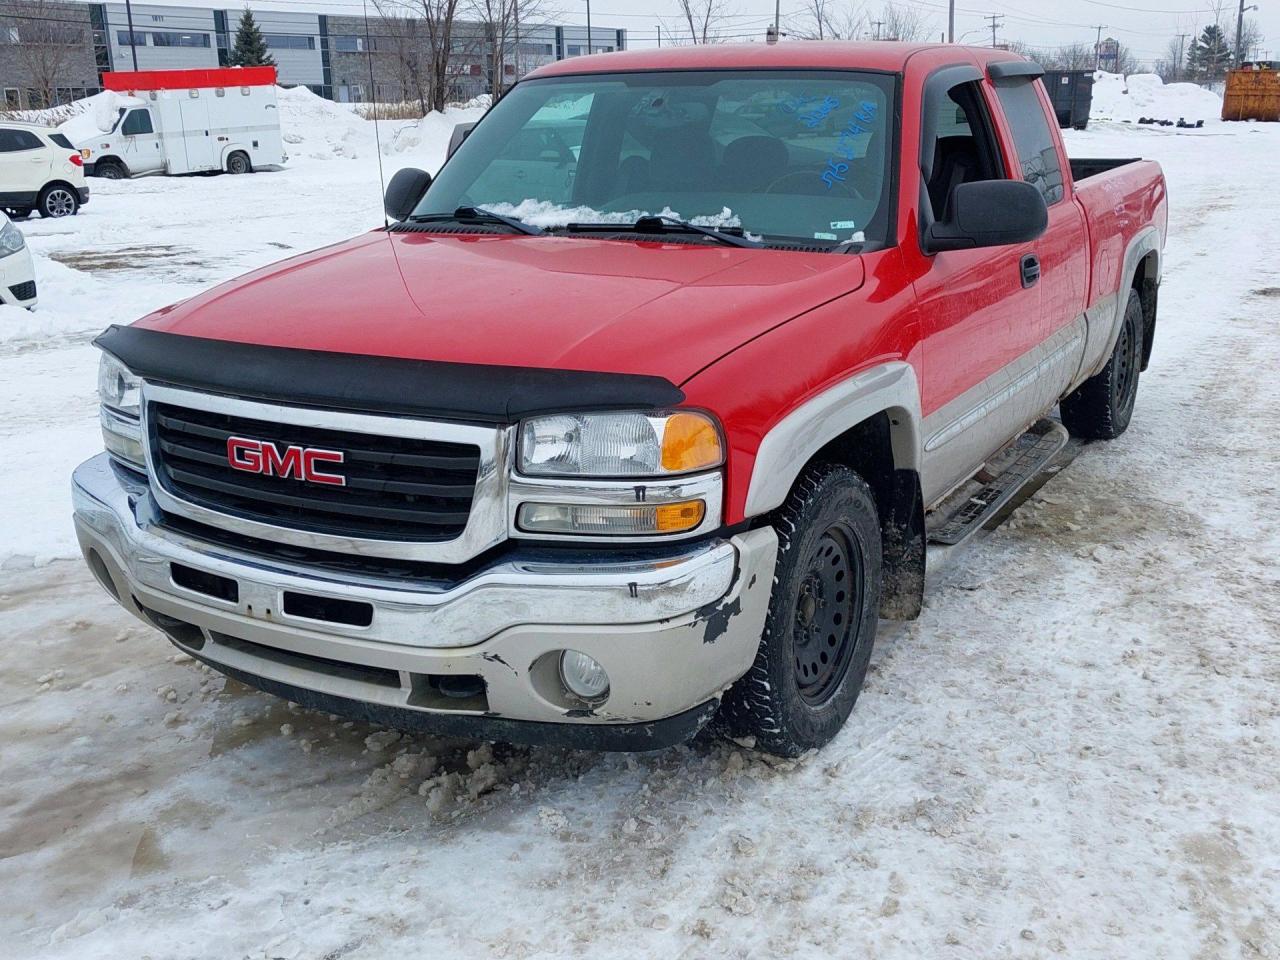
x=868, y=448
x=1146, y=282
x=57, y=183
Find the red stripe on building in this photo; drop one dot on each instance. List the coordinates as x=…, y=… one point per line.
x=186, y=79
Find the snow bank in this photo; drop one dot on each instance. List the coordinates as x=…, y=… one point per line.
x=425, y=142
x=320, y=129
x=1116, y=97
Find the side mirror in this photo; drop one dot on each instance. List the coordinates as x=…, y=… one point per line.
x=989, y=213
x=404, y=191
x=460, y=133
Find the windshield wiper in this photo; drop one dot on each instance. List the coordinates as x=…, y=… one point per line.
x=479, y=215
x=660, y=224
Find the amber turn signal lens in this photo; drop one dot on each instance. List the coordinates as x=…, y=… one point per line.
x=690, y=441
x=674, y=517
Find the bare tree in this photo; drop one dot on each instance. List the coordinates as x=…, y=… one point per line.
x=1126, y=62
x=44, y=41
x=500, y=21
x=427, y=48
x=903, y=23
x=828, y=20
x=705, y=18
x=1073, y=56
x=1250, y=36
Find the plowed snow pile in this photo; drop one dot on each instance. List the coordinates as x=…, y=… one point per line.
x=1145, y=95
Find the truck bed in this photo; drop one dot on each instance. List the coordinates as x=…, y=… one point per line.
x=1084, y=167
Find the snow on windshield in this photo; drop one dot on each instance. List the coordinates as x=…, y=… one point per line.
x=543, y=213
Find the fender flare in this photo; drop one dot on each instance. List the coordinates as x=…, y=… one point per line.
x=1146, y=241
x=890, y=388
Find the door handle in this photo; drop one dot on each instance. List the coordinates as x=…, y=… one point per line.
x=1029, y=266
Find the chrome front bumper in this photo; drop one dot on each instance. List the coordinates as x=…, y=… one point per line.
x=672, y=632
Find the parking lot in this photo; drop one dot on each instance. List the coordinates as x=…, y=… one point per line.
x=1073, y=752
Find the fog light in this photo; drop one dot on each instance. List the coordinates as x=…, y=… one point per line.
x=582, y=676
x=611, y=520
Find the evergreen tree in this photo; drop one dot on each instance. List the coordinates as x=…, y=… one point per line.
x=1209, y=55
x=251, y=46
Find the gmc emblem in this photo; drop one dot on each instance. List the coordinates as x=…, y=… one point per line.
x=297, y=463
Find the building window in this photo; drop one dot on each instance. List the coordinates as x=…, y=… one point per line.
x=12, y=98
x=346, y=44
x=134, y=39
x=10, y=35
x=288, y=41
x=159, y=39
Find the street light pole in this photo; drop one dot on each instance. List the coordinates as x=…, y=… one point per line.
x=588, y=27
x=1240, y=32
x=951, y=21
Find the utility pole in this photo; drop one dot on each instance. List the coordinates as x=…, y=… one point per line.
x=877, y=24
x=1097, y=47
x=995, y=19
x=777, y=20
x=1177, y=66
x=133, y=41
x=951, y=21
x=588, y=27
x=1240, y=32
x=659, y=36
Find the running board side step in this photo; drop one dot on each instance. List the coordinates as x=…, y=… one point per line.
x=1030, y=453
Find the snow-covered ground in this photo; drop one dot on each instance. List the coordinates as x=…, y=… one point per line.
x=1074, y=752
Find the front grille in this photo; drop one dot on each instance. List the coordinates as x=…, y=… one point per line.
x=24, y=291
x=397, y=488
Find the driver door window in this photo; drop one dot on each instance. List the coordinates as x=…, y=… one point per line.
x=137, y=122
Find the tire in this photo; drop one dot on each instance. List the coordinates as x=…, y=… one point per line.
x=1102, y=406
x=110, y=170
x=58, y=200
x=791, y=700
x=238, y=163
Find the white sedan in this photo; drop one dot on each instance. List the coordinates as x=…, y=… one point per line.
x=17, y=274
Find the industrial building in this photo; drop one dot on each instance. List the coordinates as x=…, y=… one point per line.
x=55, y=51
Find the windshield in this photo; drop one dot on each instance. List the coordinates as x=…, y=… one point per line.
x=790, y=157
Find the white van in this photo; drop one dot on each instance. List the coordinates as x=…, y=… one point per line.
x=188, y=121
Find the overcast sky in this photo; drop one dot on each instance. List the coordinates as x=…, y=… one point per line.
x=1145, y=26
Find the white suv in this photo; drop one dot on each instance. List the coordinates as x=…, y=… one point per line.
x=39, y=170
x=17, y=275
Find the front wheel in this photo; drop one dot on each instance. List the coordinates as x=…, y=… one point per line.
x=57, y=201
x=238, y=163
x=822, y=616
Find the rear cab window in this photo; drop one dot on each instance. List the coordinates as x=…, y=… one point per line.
x=1032, y=138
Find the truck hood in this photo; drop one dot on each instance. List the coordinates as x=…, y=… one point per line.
x=662, y=309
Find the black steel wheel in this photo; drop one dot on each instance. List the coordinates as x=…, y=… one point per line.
x=821, y=624
x=238, y=163
x=827, y=609
x=1102, y=406
x=110, y=170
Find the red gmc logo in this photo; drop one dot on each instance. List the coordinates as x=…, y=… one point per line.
x=298, y=463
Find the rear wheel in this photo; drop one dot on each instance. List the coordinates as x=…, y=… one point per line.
x=1102, y=406
x=57, y=200
x=821, y=624
x=239, y=163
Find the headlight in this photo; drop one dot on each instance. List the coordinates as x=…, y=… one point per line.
x=11, y=239
x=117, y=387
x=119, y=390
x=619, y=444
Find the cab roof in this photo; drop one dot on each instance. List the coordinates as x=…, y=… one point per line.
x=881, y=56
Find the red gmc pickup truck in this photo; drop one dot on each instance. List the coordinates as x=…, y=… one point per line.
x=644, y=409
